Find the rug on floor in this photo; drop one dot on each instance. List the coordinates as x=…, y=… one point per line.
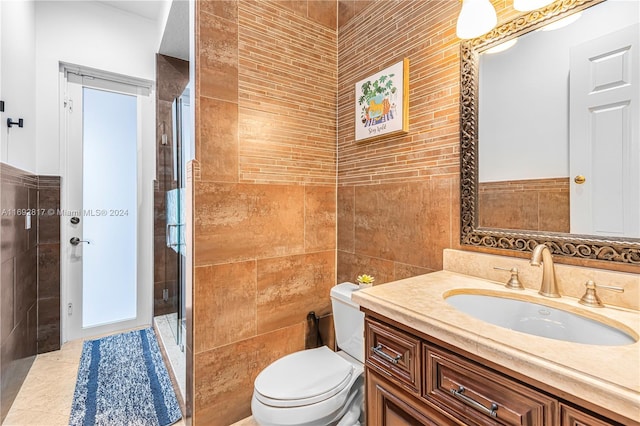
x=122, y=380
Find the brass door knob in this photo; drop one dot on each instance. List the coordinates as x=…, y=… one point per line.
x=579, y=179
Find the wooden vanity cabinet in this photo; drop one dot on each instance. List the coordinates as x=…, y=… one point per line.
x=570, y=416
x=389, y=405
x=479, y=396
x=414, y=381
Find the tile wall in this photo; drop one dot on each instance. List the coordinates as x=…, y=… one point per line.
x=533, y=204
x=398, y=195
x=274, y=91
x=48, y=264
x=263, y=191
x=30, y=275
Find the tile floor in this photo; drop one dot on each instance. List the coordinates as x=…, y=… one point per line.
x=46, y=395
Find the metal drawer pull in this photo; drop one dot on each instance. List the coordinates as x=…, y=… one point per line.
x=459, y=393
x=378, y=351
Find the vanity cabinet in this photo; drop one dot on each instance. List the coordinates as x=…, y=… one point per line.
x=412, y=380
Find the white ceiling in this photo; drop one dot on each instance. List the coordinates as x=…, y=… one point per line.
x=175, y=38
x=150, y=9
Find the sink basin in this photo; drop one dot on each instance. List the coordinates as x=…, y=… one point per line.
x=539, y=320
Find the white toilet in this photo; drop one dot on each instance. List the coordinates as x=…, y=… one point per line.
x=318, y=387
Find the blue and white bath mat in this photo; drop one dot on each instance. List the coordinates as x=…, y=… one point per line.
x=122, y=380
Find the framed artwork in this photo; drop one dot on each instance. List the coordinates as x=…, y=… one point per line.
x=382, y=102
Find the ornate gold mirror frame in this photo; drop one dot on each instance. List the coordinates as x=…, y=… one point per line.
x=570, y=245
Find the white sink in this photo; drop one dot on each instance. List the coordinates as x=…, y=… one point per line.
x=544, y=321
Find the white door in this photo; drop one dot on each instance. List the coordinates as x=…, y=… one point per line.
x=105, y=289
x=605, y=135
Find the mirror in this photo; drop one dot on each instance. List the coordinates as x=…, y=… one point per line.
x=547, y=132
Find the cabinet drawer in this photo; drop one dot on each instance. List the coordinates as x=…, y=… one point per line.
x=569, y=416
x=394, y=353
x=480, y=396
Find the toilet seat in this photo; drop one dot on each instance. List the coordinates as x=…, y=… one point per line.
x=303, y=378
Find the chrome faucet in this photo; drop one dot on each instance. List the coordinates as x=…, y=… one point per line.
x=548, y=287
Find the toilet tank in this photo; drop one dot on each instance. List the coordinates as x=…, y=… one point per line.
x=348, y=321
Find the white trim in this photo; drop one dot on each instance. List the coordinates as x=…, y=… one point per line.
x=138, y=85
x=144, y=91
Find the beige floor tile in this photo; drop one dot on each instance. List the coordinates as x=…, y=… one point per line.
x=46, y=395
x=34, y=418
x=246, y=422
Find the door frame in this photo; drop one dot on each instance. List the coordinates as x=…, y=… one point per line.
x=145, y=177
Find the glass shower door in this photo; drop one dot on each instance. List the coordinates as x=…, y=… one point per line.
x=175, y=210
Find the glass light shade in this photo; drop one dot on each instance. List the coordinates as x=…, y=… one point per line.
x=502, y=46
x=561, y=23
x=477, y=17
x=527, y=5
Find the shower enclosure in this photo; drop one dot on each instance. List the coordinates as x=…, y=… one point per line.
x=174, y=149
x=175, y=210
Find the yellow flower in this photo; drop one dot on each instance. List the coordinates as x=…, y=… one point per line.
x=365, y=279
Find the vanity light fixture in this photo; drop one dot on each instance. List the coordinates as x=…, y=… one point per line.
x=527, y=5
x=561, y=23
x=476, y=17
x=502, y=46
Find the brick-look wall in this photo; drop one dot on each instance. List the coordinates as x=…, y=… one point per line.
x=398, y=196
x=263, y=189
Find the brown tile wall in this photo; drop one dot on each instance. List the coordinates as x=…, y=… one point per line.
x=264, y=194
x=398, y=195
x=374, y=175
x=48, y=264
x=534, y=204
x=271, y=101
x=172, y=76
x=30, y=277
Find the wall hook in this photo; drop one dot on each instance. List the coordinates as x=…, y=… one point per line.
x=11, y=123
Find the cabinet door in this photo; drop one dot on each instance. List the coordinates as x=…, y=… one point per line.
x=388, y=405
x=569, y=416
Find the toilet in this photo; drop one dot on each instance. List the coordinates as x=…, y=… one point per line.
x=318, y=387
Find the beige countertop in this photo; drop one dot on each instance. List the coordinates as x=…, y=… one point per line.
x=608, y=376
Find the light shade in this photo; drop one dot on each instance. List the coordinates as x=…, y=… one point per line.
x=561, y=23
x=477, y=17
x=527, y=5
x=502, y=46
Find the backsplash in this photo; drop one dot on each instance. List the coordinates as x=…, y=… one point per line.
x=570, y=279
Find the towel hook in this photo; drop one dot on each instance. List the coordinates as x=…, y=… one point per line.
x=11, y=123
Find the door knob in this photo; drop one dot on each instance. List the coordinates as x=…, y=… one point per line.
x=75, y=241
x=579, y=179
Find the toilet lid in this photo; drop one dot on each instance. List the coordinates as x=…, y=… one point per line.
x=302, y=378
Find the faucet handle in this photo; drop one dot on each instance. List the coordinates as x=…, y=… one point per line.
x=590, y=297
x=514, y=282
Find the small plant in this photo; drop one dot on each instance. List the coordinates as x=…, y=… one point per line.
x=365, y=279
